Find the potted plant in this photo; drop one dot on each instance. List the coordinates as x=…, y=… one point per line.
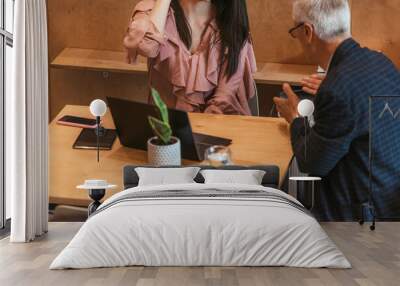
x=162, y=149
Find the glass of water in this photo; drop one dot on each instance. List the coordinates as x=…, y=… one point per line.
x=217, y=156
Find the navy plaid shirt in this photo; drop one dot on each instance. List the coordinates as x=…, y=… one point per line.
x=338, y=143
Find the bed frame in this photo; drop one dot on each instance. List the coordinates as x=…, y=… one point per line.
x=270, y=179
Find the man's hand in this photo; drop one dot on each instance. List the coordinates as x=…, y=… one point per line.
x=287, y=108
x=311, y=84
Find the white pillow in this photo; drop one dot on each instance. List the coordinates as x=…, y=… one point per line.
x=166, y=176
x=246, y=177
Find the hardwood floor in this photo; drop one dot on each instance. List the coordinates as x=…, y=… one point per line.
x=375, y=257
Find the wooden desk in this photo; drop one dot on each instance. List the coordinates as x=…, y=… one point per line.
x=114, y=61
x=256, y=140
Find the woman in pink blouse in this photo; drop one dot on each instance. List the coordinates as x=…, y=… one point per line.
x=199, y=52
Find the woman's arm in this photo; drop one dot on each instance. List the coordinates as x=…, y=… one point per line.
x=225, y=99
x=159, y=14
x=145, y=32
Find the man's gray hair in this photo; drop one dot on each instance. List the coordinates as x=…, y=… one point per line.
x=331, y=18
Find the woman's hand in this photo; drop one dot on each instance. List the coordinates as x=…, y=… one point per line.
x=311, y=84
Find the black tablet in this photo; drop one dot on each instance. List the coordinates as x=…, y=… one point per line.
x=87, y=139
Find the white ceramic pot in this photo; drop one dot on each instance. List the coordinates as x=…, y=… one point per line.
x=164, y=155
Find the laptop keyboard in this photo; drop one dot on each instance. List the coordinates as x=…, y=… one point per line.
x=209, y=140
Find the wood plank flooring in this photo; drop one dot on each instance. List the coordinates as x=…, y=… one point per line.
x=375, y=257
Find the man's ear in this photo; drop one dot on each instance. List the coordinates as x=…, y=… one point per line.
x=309, y=32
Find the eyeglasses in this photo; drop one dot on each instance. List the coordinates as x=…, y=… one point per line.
x=291, y=31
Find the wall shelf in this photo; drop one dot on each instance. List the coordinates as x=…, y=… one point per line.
x=114, y=61
x=97, y=60
x=277, y=74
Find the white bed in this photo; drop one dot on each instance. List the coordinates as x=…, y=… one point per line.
x=271, y=229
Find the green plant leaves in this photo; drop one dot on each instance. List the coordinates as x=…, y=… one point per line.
x=161, y=105
x=161, y=128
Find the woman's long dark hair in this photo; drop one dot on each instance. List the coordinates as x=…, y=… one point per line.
x=233, y=23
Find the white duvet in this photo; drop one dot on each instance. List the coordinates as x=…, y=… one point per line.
x=200, y=232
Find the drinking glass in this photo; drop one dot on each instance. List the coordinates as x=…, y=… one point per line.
x=217, y=156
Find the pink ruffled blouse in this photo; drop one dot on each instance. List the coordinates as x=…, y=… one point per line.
x=193, y=82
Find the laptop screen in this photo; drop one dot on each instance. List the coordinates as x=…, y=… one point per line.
x=133, y=128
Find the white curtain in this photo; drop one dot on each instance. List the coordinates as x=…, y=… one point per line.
x=27, y=123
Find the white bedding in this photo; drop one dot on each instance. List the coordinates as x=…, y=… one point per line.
x=191, y=231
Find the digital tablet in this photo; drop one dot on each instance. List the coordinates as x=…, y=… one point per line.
x=87, y=139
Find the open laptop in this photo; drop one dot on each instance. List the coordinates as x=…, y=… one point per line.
x=133, y=128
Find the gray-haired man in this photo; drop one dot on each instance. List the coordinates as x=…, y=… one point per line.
x=339, y=139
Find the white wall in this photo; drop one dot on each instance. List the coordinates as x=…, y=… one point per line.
x=8, y=85
x=9, y=26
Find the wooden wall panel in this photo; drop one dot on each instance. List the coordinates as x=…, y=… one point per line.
x=376, y=25
x=101, y=24
x=270, y=21
x=81, y=87
x=97, y=24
